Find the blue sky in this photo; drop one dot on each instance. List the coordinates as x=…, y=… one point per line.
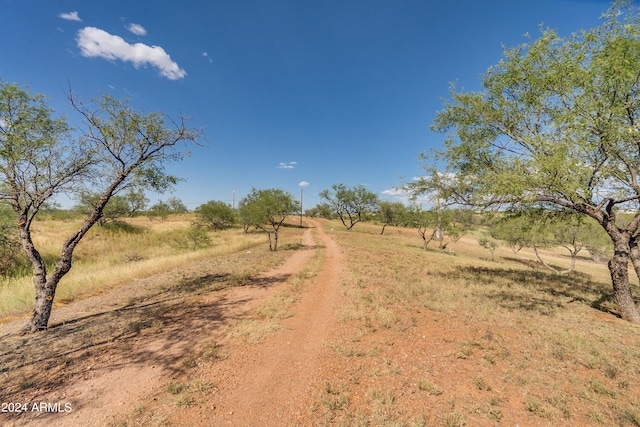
x=287, y=92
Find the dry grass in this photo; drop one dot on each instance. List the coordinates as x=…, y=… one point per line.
x=107, y=259
x=504, y=341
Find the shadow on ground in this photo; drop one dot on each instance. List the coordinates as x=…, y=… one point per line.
x=538, y=290
x=180, y=317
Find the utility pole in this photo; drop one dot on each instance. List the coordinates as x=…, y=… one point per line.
x=233, y=199
x=439, y=231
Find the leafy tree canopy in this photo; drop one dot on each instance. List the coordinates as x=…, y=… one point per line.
x=116, y=148
x=267, y=210
x=350, y=203
x=215, y=215
x=556, y=124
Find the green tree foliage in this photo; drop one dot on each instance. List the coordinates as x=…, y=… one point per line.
x=426, y=222
x=556, y=124
x=9, y=242
x=215, y=215
x=193, y=238
x=598, y=243
x=162, y=209
x=197, y=237
x=176, y=206
x=116, y=208
x=391, y=213
x=515, y=231
x=321, y=210
x=449, y=220
x=267, y=210
x=457, y=222
x=549, y=229
x=136, y=202
x=489, y=244
x=119, y=148
x=350, y=203
x=427, y=225
x=431, y=226
x=572, y=234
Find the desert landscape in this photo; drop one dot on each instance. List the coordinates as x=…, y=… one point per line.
x=336, y=328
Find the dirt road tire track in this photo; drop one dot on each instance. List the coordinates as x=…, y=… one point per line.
x=273, y=383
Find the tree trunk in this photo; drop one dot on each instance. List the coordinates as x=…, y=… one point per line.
x=39, y=321
x=574, y=255
x=619, y=269
x=635, y=254
x=44, y=293
x=270, y=244
x=45, y=287
x=423, y=234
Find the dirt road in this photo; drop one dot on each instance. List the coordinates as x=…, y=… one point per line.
x=267, y=383
x=273, y=383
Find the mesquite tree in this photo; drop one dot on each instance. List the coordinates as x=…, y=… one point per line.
x=556, y=125
x=350, y=203
x=215, y=215
x=117, y=148
x=390, y=213
x=266, y=210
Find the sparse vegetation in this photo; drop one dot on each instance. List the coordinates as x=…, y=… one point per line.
x=469, y=338
x=430, y=387
x=534, y=136
x=490, y=245
x=482, y=303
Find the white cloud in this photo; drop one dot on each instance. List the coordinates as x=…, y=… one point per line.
x=137, y=29
x=206, y=55
x=283, y=165
x=395, y=192
x=96, y=43
x=405, y=196
x=303, y=184
x=70, y=16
